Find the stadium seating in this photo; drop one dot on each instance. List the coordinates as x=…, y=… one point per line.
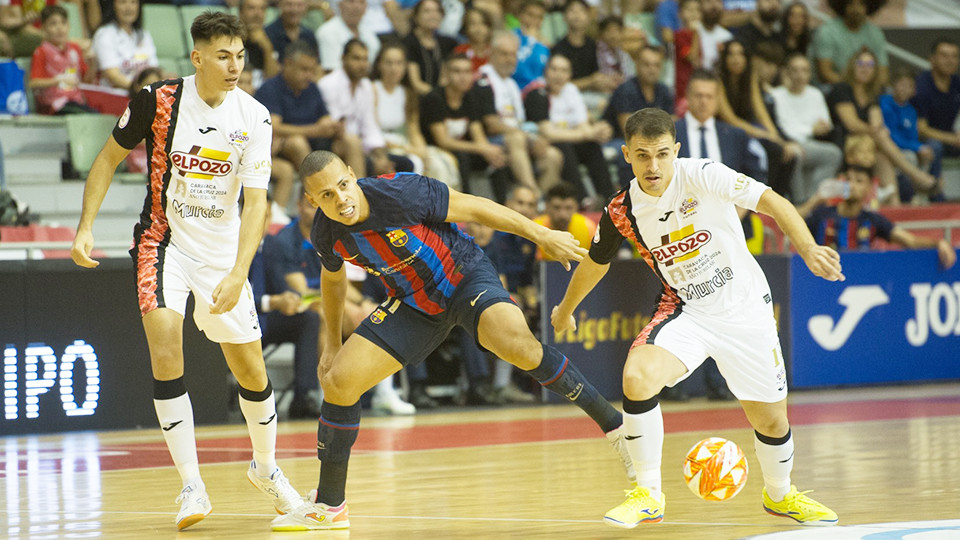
x=87, y=133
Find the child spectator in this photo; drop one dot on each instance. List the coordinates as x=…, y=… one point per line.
x=58, y=67
x=612, y=59
x=533, y=54
x=686, y=42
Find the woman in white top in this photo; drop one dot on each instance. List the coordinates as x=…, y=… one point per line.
x=398, y=112
x=561, y=116
x=122, y=47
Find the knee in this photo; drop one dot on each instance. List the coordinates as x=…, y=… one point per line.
x=338, y=388
x=773, y=426
x=525, y=352
x=642, y=380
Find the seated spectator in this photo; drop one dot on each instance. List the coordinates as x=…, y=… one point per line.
x=301, y=121
x=795, y=34
x=284, y=318
x=742, y=106
x=666, y=21
x=20, y=22
x=938, y=97
x=561, y=116
x=581, y=49
x=561, y=214
x=335, y=33
x=260, y=57
x=426, y=48
x=855, y=110
x=478, y=31
x=398, y=113
x=701, y=135
x=713, y=35
x=849, y=226
x=801, y=112
x=451, y=121
x=532, y=55
x=289, y=28
x=613, y=60
x=841, y=38
x=122, y=47
x=900, y=118
x=348, y=91
x=57, y=68
x=502, y=112
x=761, y=25
x=686, y=47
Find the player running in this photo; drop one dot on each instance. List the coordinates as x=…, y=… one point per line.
x=400, y=228
x=681, y=215
x=206, y=140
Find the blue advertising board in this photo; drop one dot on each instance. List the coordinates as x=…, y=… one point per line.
x=896, y=318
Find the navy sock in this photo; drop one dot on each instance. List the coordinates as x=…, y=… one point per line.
x=557, y=374
x=336, y=433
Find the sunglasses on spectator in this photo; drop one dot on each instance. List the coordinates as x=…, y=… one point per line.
x=865, y=63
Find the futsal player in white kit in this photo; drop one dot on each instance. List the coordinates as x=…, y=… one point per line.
x=681, y=214
x=206, y=140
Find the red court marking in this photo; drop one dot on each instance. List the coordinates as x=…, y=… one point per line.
x=236, y=449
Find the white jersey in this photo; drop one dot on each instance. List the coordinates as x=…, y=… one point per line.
x=690, y=236
x=199, y=159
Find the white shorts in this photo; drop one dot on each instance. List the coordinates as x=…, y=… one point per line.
x=746, y=348
x=165, y=277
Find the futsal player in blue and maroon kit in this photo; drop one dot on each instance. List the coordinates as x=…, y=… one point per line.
x=401, y=229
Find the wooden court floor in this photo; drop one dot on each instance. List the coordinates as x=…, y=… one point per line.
x=877, y=456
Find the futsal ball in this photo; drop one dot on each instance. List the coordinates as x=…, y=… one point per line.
x=715, y=469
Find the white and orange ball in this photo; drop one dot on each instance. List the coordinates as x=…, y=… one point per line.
x=715, y=469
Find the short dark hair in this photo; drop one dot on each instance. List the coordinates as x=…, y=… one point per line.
x=943, y=40
x=298, y=47
x=840, y=6
x=316, y=161
x=701, y=74
x=212, y=24
x=50, y=11
x=903, y=72
x=853, y=167
x=795, y=54
x=769, y=51
x=562, y=191
x=527, y=4
x=569, y=3
x=353, y=42
x=609, y=20
x=458, y=56
x=649, y=123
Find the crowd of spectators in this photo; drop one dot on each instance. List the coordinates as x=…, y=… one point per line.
x=485, y=93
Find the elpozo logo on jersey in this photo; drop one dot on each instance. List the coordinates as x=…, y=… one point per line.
x=681, y=245
x=202, y=163
x=239, y=138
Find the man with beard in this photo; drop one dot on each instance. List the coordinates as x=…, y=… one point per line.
x=760, y=26
x=843, y=36
x=712, y=34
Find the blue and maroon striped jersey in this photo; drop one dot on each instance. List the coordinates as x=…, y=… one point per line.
x=831, y=229
x=404, y=241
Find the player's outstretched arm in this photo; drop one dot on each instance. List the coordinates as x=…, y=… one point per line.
x=821, y=260
x=585, y=278
x=559, y=245
x=333, y=294
x=95, y=189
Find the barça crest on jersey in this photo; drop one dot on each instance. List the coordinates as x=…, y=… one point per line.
x=377, y=316
x=398, y=238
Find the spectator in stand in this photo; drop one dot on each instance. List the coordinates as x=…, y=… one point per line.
x=581, y=49
x=301, y=121
x=57, y=68
x=285, y=318
x=686, y=43
x=478, y=31
x=802, y=112
x=289, y=28
x=398, y=113
x=841, y=38
x=761, y=25
x=136, y=160
x=612, y=57
x=349, y=92
x=742, y=106
x=122, y=47
x=502, y=112
x=261, y=56
x=855, y=110
x=335, y=33
x=938, y=97
x=849, y=226
x=562, y=118
x=451, y=121
x=712, y=34
x=21, y=23
x=900, y=118
x=561, y=213
x=666, y=21
x=795, y=34
x=426, y=48
x=533, y=54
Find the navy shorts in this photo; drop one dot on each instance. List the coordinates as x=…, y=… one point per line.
x=409, y=334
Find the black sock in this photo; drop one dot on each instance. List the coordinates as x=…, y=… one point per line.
x=558, y=374
x=336, y=433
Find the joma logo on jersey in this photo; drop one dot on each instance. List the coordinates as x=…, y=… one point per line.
x=398, y=238
x=681, y=245
x=202, y=163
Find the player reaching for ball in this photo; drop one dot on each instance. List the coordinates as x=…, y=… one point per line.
x=681, y=215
